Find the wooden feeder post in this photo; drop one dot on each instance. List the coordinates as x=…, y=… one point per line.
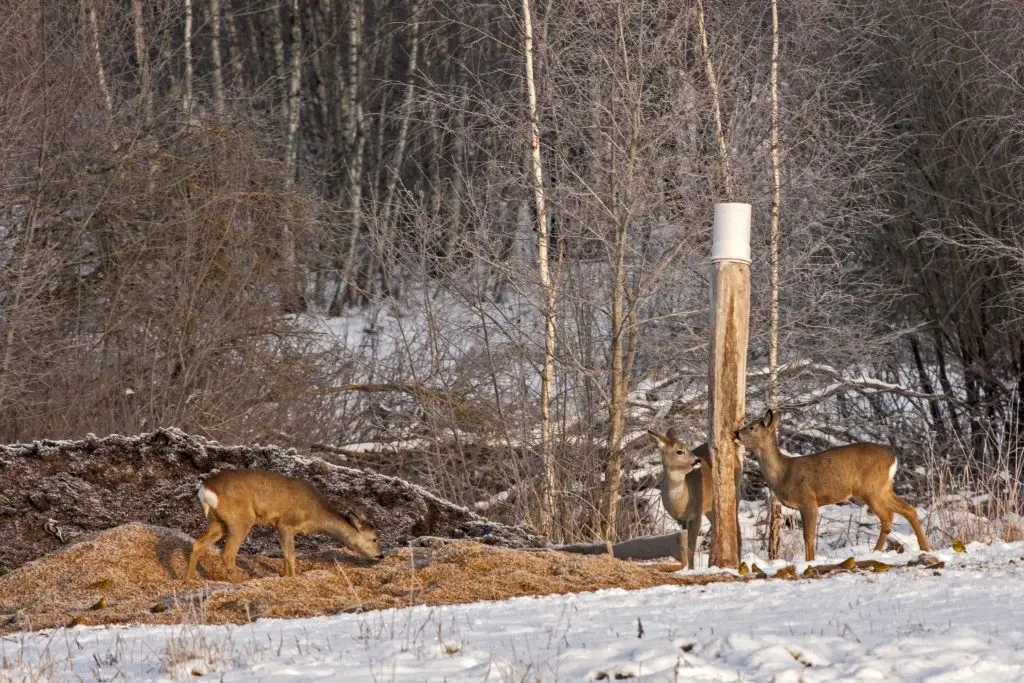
x=727, y=376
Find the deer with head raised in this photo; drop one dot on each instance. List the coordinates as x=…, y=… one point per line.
x=686, y=490
x=235, y=500
x=863, y=471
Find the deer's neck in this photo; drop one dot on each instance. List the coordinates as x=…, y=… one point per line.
x=774, y=465
x=336, y=527
x=675, y=476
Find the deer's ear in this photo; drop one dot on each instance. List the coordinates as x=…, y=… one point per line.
x=352, y=519
x=657, y=437
x=671, y=436
x=769, y=418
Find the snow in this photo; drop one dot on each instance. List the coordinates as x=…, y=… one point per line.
x=963, y=622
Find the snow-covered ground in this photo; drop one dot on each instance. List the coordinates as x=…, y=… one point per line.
x=964, y=622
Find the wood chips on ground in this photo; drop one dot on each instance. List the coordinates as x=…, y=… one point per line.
x=132, y=574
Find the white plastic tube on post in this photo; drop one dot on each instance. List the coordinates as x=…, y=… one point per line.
x=727, y=375
x=730, y=233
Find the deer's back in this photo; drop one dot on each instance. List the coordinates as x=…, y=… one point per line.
x=855, y=470
x=267, y=497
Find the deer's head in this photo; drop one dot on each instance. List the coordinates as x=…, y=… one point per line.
x=364, y=540
x=675, y=455
x=759, y=433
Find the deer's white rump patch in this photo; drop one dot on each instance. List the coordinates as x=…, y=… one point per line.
x=208, y=499
x=892, y=470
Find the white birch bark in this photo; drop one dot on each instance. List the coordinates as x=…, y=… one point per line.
x=217, y=59
x=774, y=508
x=354, y=137
x=187, y=98
x=548, y=505
x=97, y=54
x=723, y=150
x=294, y=103
x=142, y=58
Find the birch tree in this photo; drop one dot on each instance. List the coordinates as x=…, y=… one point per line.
x=774, y=508
x=97, y=54
x=216, y=58
x=355, y=149
x=142, y=60
x=716, y=103
x=548, y=291
x=293, y=102
x=187, y=98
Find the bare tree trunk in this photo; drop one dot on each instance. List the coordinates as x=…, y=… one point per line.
x=327, y=69
x=294, y=299
x=623, y=311
x=926, y=384
x=723, y=150
x=97, y=55
x=277, y=40
x=215, y=56
x=400, y=144
x=544, y=267
x=774, y=508
x=234, y=46
x=187, y=101
x=355, y=144
x=617, y=381
x=294, y=90
x=142, y=58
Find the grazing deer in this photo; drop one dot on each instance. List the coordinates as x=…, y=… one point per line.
x=860, y=470
x=686, y=490
x=235, y=500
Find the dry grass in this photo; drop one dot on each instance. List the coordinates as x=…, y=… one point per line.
x=137, y=569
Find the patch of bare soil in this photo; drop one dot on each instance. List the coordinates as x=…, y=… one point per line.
x=133, y=574
x=52, y=492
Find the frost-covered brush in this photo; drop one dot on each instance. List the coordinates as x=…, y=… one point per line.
x=686, y=490
x=235, y=500
x=863, y=471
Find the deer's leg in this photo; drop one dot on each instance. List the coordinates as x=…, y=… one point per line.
x=213, y=533
x=681, y=556
x=692, y=529
x=236, y=534
x=809, y=515
x=907, y=510
x=884, y=514
x=288, y=550
x=739, y=496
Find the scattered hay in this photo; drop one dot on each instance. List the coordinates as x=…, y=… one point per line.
x=137, y=568
x=133, y=574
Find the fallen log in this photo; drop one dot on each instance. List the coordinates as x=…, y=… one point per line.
x=641, y=548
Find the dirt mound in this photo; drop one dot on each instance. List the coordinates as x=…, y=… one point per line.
x=54, y=491
x=132, y=574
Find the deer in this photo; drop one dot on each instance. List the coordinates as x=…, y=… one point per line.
x=862, y=471
x=233, y=501
x=686, y=488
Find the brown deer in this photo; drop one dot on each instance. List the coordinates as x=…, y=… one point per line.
x=859, y=470
x=686, y=490
x=235, y=500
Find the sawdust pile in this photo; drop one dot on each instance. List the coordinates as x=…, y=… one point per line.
x=133, y=574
